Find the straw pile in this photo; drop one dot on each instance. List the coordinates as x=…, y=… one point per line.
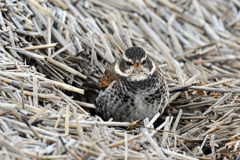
x=48, y=49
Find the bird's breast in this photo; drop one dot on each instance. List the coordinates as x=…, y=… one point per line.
x=140, y=86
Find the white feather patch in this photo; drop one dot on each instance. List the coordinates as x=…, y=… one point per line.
x=144, y=58
x=143, y=74
x=127, y=59
x=139, y=77
x=118, y=71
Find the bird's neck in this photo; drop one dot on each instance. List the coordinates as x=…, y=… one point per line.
x=138, y=86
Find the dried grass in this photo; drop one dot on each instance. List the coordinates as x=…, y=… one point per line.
x=48, y=49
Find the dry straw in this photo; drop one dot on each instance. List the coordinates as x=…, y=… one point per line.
x=49, y=48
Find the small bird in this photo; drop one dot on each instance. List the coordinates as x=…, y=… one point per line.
x=133, y=88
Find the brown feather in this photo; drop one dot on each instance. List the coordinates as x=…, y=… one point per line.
x=108, y=77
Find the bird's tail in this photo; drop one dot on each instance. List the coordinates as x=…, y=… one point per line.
x=178, y=90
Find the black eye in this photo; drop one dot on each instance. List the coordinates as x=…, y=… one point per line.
x=128, y=63
x=144, y=61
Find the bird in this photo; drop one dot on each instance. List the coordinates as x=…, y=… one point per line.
x=132, y=88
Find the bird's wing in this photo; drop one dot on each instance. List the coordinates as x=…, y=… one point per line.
x=109, y=76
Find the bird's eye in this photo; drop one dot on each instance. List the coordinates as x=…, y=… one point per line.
x=144, y=61
x=128, y=63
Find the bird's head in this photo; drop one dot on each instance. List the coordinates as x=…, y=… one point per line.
x=135, y=64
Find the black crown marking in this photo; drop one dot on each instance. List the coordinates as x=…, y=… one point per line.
x=135, y=54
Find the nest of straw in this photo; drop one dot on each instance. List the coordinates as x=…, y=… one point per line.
x=48, y=49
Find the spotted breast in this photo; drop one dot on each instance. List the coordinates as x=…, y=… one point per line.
x=133, y=88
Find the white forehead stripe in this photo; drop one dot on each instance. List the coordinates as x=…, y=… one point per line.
x=128, y=72
x=129, y=60
x=144, y=58
x=118, y=71
x=126, y=59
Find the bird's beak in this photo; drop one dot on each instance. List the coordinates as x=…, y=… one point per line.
x=136, y=64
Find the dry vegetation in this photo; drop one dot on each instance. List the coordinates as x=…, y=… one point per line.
x=49, y=48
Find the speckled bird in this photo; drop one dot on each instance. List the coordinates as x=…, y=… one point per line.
x=133, y=88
